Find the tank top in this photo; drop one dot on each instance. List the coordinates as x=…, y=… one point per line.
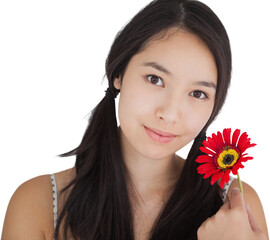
x=55, y=193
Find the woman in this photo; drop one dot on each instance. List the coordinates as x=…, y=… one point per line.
x=171, y=65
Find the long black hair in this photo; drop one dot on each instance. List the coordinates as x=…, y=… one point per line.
x=98, y=205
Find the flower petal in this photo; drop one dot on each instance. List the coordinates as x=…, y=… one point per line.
x=225, y=178
x=218, y=140
x=219, y=135
x=227, y=136
x=235, y=169
x=204, y=168
x=244, y=142
x=244, y=159
x=206, y=150
x=235, y=137
x=216, y=176
x=215, y=145
x=204, y=159
x=207, y=143
x=210, y=172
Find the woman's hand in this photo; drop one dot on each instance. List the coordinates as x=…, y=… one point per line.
x=233, y=221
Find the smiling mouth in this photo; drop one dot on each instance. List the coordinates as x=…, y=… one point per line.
x=163, y=134
x=159, y=136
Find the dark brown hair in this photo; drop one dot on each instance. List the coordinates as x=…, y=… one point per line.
x=98, y=206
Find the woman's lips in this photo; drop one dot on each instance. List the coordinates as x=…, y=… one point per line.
x=159, y=136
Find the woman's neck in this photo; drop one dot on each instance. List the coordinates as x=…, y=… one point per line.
x=150, y=178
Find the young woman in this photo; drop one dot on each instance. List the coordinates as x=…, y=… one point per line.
x=171, y=65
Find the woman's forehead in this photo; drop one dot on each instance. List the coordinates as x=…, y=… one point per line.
x=180, y=52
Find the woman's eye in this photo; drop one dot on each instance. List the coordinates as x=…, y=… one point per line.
x=155, y=80
x=198, y=94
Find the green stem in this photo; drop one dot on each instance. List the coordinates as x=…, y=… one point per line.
x=240, y=184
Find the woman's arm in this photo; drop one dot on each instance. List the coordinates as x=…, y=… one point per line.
x=240, y=218
x=30, y=211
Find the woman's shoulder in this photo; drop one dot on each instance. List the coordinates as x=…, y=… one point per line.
x=64, y=177
x=30, y=210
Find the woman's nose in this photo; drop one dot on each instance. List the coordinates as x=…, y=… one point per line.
x=171, y=109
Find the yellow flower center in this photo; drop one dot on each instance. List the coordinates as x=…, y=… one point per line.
x=227, y=158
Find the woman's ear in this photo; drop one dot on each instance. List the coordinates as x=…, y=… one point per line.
x=117, y=83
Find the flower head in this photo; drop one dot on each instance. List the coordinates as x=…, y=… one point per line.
x=224, y=154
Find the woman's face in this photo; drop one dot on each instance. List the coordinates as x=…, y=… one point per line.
x=169, y=87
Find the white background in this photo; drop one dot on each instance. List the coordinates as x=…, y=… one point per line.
x=52, y=58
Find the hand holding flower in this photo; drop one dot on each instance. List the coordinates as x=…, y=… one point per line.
x=234, y=220
x=224, y=153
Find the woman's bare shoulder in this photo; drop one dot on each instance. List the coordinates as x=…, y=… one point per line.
x=64, y=177
x=30, y=210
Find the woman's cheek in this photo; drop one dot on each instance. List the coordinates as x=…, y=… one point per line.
x=198, y=117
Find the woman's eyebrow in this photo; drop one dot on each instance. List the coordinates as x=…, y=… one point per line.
x=205, y=84
x=157, y=66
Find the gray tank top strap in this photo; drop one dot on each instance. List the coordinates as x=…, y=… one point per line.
x=226, y=188
x=55, y=201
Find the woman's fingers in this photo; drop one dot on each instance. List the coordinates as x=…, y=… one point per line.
x=233, y=221
x=237, y=200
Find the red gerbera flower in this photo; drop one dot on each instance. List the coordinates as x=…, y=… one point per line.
x=224, y=155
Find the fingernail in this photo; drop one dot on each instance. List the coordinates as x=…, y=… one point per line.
x=235, y=191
